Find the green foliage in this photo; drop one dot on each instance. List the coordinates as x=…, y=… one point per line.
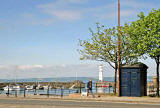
x=102, y=46
x=145, y=34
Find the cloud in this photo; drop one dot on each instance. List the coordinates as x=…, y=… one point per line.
x=71, y=1
x=125, y=13
x=59, y=10
x=113, y=15
x=76, y=10
x=128, y=8
x=76, y=1
x=63, y=70
x=35, y=20
x=65, y=14
x=137, y=4
x=20, y=67
x=7, y=67
x=27, y=67
x=62, y=10
x=45, y=71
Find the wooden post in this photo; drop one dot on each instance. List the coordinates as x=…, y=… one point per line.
x=118, y=85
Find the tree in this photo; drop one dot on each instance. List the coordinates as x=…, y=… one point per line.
x=144, y=35
x=102, y=46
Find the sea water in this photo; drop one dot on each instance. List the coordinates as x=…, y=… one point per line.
x=64, y=79
x=59, y=79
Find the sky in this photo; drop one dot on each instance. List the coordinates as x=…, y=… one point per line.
x=39, y=38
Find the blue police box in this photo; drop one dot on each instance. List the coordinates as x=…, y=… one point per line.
x=133, y=80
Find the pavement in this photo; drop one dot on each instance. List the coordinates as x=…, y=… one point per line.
x=68, y=103
x=65, y=103
x=137, y=100
x=77, y=101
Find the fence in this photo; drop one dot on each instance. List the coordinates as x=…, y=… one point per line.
x=55, y=92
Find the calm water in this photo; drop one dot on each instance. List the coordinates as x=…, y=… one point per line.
x=64, y=79
x=60, y=79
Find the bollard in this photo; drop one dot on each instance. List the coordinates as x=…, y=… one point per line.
x=8, y=90
x=24, y=92
x=15, y=93
x=61, y=92
x=48, y=92
x=96, y=87
x=80, y=88
x=109, y=87
x=34, y=89
x=55, y=91
x=69, y=91
x=113, y=89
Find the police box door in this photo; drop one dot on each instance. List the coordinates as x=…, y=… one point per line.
x=125, y=82
x=135, y=82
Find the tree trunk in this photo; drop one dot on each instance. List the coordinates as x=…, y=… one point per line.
x=158, y=76
x=115, y=79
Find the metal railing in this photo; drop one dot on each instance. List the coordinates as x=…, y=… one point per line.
x=56, y=92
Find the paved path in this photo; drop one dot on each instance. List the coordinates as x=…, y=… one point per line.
x=58, y=103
